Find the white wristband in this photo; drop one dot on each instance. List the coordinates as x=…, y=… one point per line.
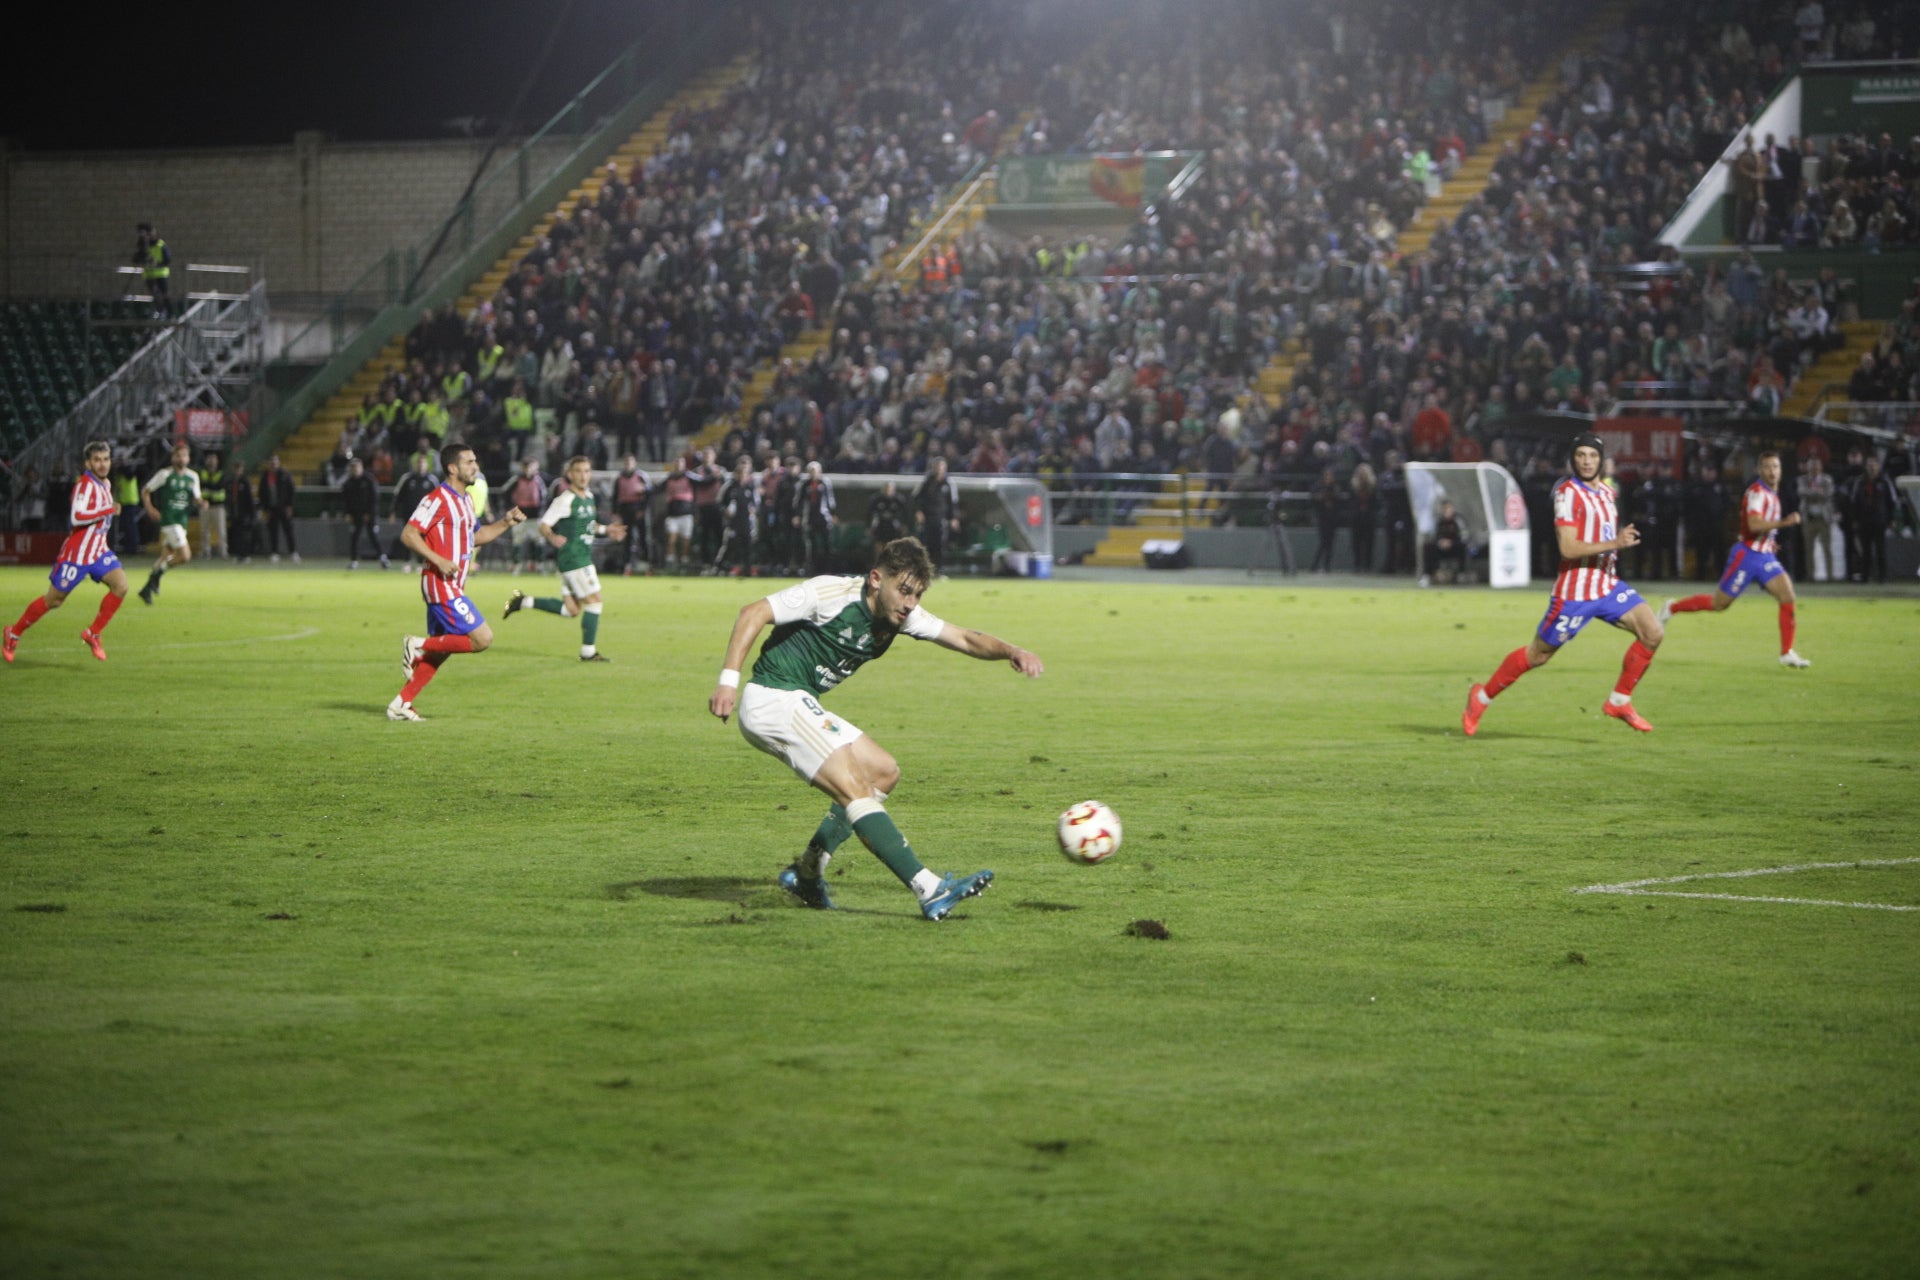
x=729, y=678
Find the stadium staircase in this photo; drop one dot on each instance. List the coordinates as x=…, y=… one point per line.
x=966, y=210
x=1184, y=499
x=1831, y=370
x=305, y=450
x=1468, y=183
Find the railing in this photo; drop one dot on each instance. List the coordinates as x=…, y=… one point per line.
x=396, y=276
x=969, y=185
x=1880, y=418
x=194, y=362
x=1177, y=501
x=1177, y=189
x=1671, y=408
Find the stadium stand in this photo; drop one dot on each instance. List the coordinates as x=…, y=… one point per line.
x=1400, y=243
x=51, y=356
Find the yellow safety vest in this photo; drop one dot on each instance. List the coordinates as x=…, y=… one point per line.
x=519, y=413
x=157, y=268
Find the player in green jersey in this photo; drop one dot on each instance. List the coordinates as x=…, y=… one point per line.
x=178, y=489
x=825, y=629
x=571, y=523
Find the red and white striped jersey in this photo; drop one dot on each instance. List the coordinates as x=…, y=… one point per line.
x=1760, y=503
x=1588, y=510
x=92, y=514
x=445, y=519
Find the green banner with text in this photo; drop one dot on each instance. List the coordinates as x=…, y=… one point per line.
x=1128, y=181
x=1861, y=100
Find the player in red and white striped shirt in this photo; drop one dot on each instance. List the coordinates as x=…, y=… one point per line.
x=444, y=532
x=85, y=554
x=1587, y=587
x=1753, y=560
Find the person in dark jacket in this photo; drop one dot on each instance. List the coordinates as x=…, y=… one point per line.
x=360, y=498
x=276, y=508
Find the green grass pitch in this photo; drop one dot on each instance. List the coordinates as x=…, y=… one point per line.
x=289, y=990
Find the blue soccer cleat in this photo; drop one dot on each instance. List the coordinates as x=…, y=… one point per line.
x=953, y=890
x=811, y=890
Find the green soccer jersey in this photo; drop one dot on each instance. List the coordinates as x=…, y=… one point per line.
x=574, y=518
x=823, y=632
x=175, y=493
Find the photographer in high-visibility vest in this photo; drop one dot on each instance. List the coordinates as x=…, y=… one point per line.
x=151, y=255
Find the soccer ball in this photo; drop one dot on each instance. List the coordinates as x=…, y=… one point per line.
x=1089, y=833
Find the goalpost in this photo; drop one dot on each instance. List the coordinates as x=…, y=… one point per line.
x=1490, y=507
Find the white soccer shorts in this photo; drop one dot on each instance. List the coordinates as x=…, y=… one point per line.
x=580, y=583
x=791, y=724
x=679, y=527
x=173, y=535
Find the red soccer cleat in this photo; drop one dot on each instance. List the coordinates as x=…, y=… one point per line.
x=93, y=642
x=1470, y=718
x=1633, y=718
x=9, y=645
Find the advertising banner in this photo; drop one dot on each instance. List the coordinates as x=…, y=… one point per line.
x=1644, y=446
x=209, y=426
x=1126, y=180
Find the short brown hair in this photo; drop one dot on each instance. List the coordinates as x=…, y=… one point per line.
x=578, y=457
x=1768, y=453
x=906, y=556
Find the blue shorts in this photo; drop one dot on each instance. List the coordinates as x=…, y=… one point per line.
x=1565, y=617
x=66, y=574
x=456, y=617
x=1747, y=567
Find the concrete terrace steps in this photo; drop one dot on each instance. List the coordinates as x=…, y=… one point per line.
x=307, y=448
x=1831, y=367
x=1468, y=182
x=1122, y=548
x=809, y=342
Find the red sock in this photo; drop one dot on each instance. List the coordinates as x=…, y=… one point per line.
x=1694, y=604
x=1634, y=665
x=424, y=670
x=34, y=613
x=1786, y=627
x=448, y=644
x=108, y=607
x=1512, y=667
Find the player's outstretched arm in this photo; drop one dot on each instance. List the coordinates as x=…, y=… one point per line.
x=978, y=644
x=756, y=617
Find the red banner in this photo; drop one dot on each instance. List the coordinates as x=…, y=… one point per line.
x=209, y=426
x=30, y=548
x=1119, y=179
x=1644, y=446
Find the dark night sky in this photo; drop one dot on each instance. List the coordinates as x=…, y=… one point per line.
x=212, y=75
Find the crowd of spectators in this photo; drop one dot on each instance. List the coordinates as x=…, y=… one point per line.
x=643, y=316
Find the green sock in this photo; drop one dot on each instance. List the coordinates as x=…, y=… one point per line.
x=834, y=830
x=548, y=604
x=877, y=832
x=589, y=627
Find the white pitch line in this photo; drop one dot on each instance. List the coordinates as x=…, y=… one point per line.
x=1638, y=888
x=301, y=634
